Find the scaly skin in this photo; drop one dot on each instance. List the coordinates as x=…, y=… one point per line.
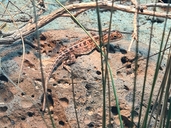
x=68, y=56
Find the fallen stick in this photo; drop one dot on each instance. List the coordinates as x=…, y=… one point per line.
x=31, y=27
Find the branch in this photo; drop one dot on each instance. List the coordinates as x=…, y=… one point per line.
x=31, y=27
x=157, y=5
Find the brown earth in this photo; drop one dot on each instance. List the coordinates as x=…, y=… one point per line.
x=23, y=109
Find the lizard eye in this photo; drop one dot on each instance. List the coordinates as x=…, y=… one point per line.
x=114, y=37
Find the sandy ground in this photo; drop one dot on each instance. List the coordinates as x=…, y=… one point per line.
x=23, y=110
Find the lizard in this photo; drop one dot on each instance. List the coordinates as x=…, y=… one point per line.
x=68, y=56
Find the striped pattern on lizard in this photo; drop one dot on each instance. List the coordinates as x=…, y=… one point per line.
x=68, y=56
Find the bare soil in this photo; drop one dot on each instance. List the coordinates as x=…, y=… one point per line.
x=23, y=110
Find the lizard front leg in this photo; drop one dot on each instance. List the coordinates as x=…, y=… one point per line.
x=71, y=59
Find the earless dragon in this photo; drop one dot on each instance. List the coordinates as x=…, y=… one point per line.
x=81, y=47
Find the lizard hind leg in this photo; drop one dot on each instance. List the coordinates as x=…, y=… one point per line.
x=71, y=59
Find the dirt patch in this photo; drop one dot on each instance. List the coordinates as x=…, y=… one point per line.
x=18, y=109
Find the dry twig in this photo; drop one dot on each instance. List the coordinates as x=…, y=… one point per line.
x=135, y=33
x=31, y=27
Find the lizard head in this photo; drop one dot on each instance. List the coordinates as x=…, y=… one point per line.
x=115, y=35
